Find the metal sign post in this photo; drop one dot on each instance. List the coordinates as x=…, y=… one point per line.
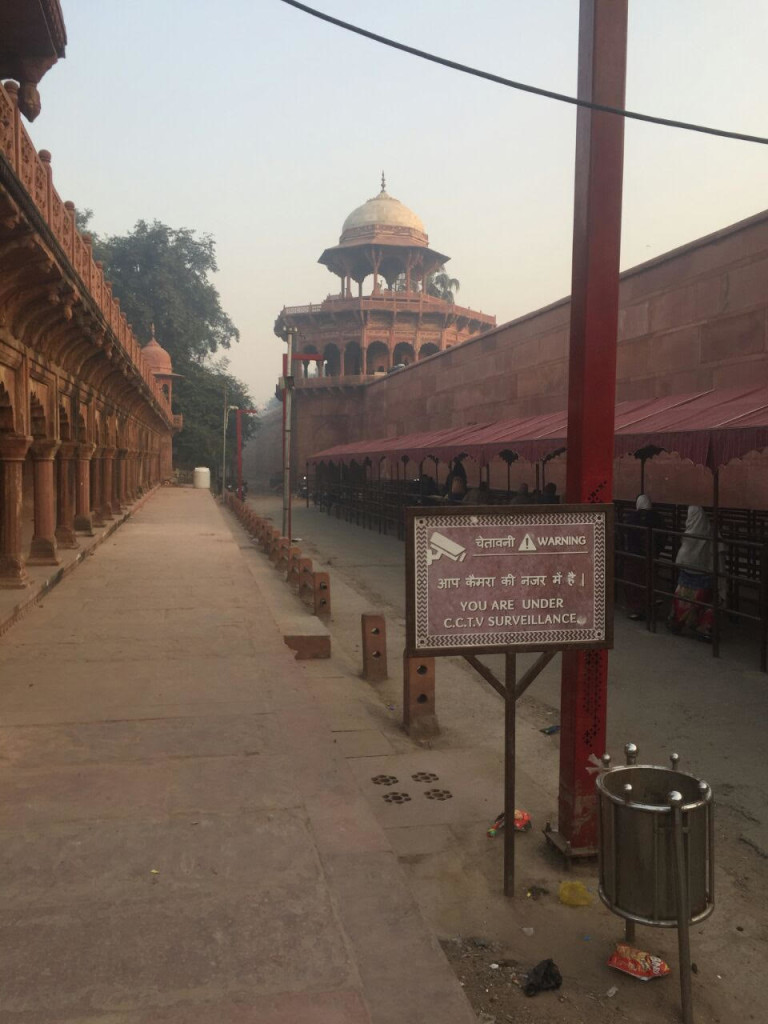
x=497, y=580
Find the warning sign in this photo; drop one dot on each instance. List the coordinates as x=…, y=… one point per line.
x=485, y=579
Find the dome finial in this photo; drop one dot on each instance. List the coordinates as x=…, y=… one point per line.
x=383, y=182
x=152, y=331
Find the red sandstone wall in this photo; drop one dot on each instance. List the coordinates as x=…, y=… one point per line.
x=694, y=319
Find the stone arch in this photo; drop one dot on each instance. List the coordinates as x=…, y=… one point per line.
x=37, y=420
x=65, y=427
x=82, y=429
x=100, y=428
x=377, y=359
x=353, y=359
x=6, y=411
x=403, y=353
x=332, y=360
x=428, y=350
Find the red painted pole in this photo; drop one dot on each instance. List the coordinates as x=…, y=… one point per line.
x=592, y=379
x=239, y=428
x=285, y=374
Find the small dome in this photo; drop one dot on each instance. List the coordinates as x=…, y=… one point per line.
x=158, y=359
x=383, y=213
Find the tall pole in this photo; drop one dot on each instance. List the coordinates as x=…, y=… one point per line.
x=592, y=380
x=239, y=425
x=287, y=396
x=224, y=446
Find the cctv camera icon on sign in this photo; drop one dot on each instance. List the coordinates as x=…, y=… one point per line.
x=440, y=545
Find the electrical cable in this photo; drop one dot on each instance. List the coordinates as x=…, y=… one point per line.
x=499, y=80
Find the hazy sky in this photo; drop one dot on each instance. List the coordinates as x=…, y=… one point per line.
x=250, y=120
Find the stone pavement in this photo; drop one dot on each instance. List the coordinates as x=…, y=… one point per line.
x=181, y=838
x=665, y=693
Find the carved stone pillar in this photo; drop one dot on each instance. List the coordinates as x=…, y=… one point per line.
x=119, y=472
x=65, y=506
x=83, y=516
x=130, y=476
x=97, y=513
x=43, y=550
x=136, y=464
x=13, y=451
x=107, y=485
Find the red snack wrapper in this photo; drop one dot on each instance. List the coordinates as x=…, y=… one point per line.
x=637, y=962
x=522, y=821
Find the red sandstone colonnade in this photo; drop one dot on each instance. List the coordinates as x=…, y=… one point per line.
x=85, y=424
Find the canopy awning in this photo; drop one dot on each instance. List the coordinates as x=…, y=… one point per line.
x=708, y=427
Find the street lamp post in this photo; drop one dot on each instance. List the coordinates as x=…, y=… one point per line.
x=287, y=395
x=227, y=410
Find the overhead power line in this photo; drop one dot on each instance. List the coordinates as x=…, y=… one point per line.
x=499, y=80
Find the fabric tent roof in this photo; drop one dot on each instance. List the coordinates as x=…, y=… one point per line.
x=708, y=427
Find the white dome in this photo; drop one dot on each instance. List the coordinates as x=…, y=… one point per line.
x=383, y=211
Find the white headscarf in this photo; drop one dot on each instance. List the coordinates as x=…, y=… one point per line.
x=696, y=547
x=643, y=503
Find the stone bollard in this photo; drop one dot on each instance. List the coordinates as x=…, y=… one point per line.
x=419, y=718
x=321, y=585
x=374, y=633
x=274, y=541
x=294, y=560
x=283, y=548
x=306, y=581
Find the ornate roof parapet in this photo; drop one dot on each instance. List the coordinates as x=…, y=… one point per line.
x=33, y=173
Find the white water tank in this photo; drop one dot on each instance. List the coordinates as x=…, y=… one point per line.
x=202, y=478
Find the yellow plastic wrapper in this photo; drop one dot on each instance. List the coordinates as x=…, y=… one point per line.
x=574, y=894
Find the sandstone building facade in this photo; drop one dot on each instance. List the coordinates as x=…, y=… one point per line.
x=85, y=414
x=692, y=320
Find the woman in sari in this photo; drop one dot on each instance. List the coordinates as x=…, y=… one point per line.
x=694, y=579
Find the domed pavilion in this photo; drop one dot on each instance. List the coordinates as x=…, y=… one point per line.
x=159, y=361
x=398, y=321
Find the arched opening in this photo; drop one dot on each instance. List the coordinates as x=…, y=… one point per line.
x=403, y=354
x=37, y=417
x=6, y=411
x=353, y=359
x=332, y=360
x=65, y=429
x=310, y=369
x=377, y=360
x=428, y=350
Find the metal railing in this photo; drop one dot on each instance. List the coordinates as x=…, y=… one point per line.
x=739, y=572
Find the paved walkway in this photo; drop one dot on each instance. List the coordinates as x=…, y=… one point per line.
x=665, y=693
x=181, y=839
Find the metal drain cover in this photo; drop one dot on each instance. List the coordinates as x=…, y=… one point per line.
x=384, y=780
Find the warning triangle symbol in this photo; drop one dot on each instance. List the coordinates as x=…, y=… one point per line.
x=527, y=544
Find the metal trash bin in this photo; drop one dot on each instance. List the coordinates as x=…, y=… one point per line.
x=655, y=849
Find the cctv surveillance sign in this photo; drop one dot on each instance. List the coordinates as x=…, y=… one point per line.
x=491, y=579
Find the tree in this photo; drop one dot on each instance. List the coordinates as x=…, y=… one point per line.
x=442, y=286
x=160, y=274
x=438, y=284
x=202, y=393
